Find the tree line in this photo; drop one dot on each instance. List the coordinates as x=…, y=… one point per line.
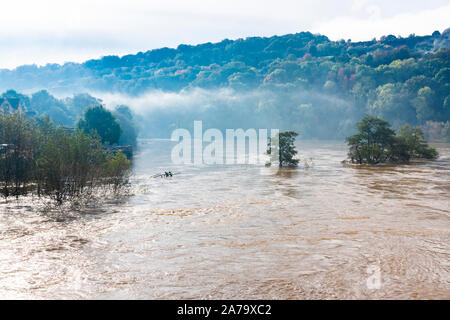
x=41, y=158
x=305, y=82
x=69, y=112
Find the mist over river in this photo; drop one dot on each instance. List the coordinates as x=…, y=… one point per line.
x=241, y=232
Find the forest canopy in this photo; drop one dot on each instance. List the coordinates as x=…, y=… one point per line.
x=302, y=82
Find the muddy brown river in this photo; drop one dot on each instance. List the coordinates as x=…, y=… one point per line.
x=240, y=232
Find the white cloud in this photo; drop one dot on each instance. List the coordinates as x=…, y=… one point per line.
x=357, y=29
x=193, y=99
x=357, y=5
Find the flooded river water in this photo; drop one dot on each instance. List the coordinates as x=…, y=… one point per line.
x=325, y=232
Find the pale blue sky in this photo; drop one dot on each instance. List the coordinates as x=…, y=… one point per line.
x=55, y=31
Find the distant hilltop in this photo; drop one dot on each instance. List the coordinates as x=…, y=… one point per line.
x=302, y=82
x=242, y=63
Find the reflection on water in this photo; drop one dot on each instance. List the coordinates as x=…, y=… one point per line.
x=239, y=232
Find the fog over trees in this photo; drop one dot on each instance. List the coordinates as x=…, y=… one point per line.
x=302, y=82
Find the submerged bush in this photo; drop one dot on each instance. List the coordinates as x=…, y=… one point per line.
x=117, y=170
x=414, y=138
x=377, y=143
x=38, y=157
x=19, y=147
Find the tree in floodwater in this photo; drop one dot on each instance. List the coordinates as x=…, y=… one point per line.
x=376, y=142
x=70, y=164
x=372, y=142
x=98, y=120
x=117, y=170
x=283, y=145
x=414, y=138
x=36, y=156
x=19, y=147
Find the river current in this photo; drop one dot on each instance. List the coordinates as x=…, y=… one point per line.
x=324, y=231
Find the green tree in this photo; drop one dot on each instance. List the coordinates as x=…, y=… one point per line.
x=392, y=103
x=128, y=125
x=377, y=143
x=372, y=143
x=424, y=104
x=36, y=156
x=284, y=146
x=68, y=163
x=98, y=120
x=19, y=140
x=42, y=102
x=117, y=170
x=415, y=142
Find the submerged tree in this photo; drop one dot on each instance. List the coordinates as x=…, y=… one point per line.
x=283, y=146
x=38, y=157
x=414, y=139
x=372, y=142
x=19, y=148
x=377, y=143
x=69, y=163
